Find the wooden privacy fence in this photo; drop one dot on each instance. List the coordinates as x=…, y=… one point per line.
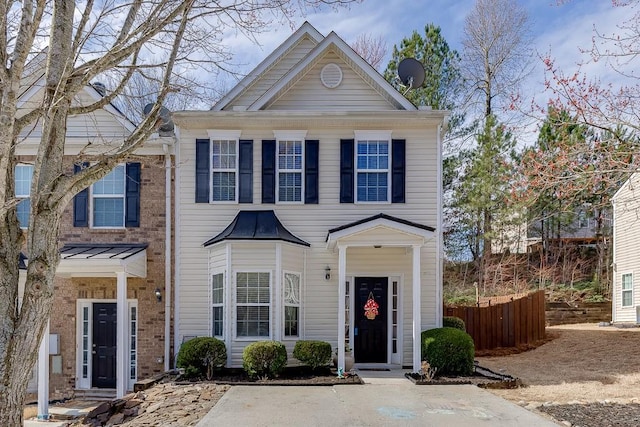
x=511, y=324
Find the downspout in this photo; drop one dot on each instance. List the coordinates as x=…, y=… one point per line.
x=439, y=233
x=167, y=256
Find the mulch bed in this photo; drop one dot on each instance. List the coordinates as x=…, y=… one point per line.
x=595, y=414
x=482, y=377
x=291, y=376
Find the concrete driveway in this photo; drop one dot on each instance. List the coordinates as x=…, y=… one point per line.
x=399, y=403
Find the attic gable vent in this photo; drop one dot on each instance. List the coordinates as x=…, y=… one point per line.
x=331, y=76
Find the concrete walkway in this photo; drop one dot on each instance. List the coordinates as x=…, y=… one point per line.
x=386, y=399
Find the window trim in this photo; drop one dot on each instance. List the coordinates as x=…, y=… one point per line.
x=212, y=305
x=623, y=290
x=22, y=197
x=92, y=196
x=286, y=337
x=369, y=136
x=235, y=305
x=290, y=136
x=222, y=135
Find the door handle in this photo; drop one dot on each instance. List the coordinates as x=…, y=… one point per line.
x=93, y=352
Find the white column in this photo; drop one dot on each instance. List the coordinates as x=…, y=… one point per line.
x=342, y=277
x=121, y=335
x=417, y=318
x=43, y=376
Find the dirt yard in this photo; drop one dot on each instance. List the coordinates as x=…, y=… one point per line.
x=582, y=364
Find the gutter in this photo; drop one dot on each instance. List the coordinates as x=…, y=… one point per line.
x=167, y=257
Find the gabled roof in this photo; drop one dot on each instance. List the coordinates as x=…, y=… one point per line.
x=403, y=227
x=362, y=68
x=256, y=225
x=305, y=30
x=298, y=69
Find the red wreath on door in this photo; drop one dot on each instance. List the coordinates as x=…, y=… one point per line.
x=371, y=307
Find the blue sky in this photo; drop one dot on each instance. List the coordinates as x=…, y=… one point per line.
x=561, y=30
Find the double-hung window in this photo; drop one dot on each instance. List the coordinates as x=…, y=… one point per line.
x=217, y=302
x=253, y=304
x=224, y=173
x=23, y=175
x=627, y=290
x=290, y=170
x=108, y=199
x=372, y=169
x=291, y=304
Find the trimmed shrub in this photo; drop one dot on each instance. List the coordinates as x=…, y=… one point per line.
x=453, y=322
x=264, y=359
x=450, y=350
x=313, y=353
x=201, y=356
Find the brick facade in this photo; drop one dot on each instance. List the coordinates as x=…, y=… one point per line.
x=151, y=313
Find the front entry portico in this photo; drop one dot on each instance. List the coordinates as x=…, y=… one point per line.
x=403, y=239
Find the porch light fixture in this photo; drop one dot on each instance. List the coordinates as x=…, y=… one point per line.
x=158, y=294
x=327, y=273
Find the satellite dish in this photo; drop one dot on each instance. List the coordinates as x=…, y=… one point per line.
x=164, y=115
x=411, y=73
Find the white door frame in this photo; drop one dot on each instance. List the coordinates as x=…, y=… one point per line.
x=83, y=382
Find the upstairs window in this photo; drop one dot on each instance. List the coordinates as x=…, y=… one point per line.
x=372, y=170
x=290, y=171
x=23, y=175
x=224, y=171
x=108, y=199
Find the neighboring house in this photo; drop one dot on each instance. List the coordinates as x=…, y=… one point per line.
x=626, y=256
x=107, y=326
x=580, y=228
x=310, y=190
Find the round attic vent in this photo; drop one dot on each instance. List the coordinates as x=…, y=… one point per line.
x=331, y=76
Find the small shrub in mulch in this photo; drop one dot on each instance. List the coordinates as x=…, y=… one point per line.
x=449, y=350
x=264, y=359
x=453, y=322
x=315, y=354
x=201, y=356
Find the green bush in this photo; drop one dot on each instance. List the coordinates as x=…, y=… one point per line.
x=201, y=356
x=453, y=322
x=313, y=353
x=450, y=350
x=264, y=359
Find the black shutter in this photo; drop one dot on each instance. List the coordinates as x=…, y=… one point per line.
x=311, y=177
x=346, y=170
x=245, y=172
x=398, y=156
x=81, y=202
x=132, y=196
x=268, y=171
x=202, y=170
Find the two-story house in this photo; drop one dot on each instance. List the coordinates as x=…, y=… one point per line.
x=311, y=190
x=112, y=287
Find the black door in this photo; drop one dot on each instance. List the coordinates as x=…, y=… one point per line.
x=103, y=373
x=370, y=331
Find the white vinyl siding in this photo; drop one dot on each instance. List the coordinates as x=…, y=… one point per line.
x=108, y=199
x=224, y=173
x=626, y=205
x=627, y=289
x=197, y=223
x=23, y=175
x=253, y=305
x=309, y=94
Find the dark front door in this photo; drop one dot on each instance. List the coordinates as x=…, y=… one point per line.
x=103, y=373
x=370, y=329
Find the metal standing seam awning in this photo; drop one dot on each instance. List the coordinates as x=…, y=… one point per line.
x=102, y=260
